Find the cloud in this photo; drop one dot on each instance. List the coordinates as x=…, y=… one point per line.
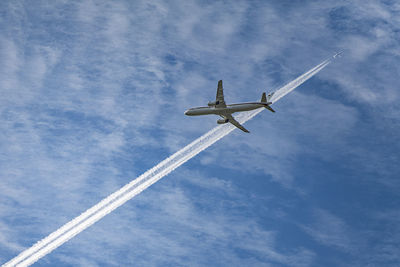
x=11, y=63
x=93, y=94
x=330, y=230
x=386, y=224
x=286, y=135
x=371, y=243
x=178, y=225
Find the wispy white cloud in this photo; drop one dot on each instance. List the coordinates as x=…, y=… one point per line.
x=330, y=230
x=172, y=213
x=88, y=86
x=11, y=62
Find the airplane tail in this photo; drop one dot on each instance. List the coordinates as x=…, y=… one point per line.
x=265, y=99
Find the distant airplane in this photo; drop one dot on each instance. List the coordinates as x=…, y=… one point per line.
x=338, y=54
x=219, y=107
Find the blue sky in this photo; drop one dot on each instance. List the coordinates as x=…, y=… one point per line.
x=93, y=94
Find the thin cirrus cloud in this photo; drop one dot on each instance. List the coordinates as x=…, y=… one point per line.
x=94, y=92
x=151, y=176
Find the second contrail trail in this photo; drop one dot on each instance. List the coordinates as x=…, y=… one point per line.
x=135, y=187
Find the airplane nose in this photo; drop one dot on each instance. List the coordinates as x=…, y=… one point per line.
x=186, y=112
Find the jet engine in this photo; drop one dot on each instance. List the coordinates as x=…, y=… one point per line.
x=222, y=121
x=212, y=104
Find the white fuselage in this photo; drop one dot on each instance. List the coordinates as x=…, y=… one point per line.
x=224, y=111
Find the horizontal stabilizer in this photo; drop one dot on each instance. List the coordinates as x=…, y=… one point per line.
x=269, y=108
x=265, y=100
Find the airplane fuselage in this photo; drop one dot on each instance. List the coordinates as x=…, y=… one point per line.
x=219, y=107
x=229, y=109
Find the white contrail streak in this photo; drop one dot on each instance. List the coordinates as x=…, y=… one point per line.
x=301, y=79
x=118, y=198
x=133, y=188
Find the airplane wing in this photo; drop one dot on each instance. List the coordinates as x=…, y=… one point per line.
x=220, y=96
x=232, y=120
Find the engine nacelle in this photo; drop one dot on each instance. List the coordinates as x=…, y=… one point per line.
x=222, y=121
x=212, y=104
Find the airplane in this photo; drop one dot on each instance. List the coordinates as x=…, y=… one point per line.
x=219, y=107
x=338, y=54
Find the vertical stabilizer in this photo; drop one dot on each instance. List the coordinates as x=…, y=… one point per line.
x=264, y=98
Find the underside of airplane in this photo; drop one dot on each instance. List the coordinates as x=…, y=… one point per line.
x=219, y=107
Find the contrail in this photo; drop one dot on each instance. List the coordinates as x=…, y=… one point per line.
x=135, y=187
x=116, y=199
x=301, y=79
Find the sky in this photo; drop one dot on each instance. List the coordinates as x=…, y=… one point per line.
x=92, y=94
